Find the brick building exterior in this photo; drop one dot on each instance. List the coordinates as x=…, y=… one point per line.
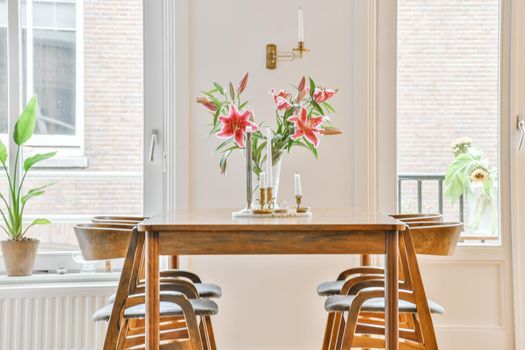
x=448, y=71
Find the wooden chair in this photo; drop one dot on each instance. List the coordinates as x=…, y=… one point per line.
x=180, y=306
x=334, y=287
x=362, y=297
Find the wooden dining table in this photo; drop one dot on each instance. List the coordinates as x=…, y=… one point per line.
x=217, y=232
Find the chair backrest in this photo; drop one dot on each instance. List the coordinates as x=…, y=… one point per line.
x=434, y=238
x=101, y=242
x=408, y=218
x=110, y=219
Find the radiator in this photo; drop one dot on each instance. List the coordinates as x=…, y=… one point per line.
x=52, y=316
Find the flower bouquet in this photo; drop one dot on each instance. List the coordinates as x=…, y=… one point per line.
x=302, y=116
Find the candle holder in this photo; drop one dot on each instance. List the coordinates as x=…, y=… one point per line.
x=270, y=199
x=273, y=55
x=300, y=209
x=263, y=202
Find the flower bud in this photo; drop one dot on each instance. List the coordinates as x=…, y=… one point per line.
x=330, y=130
x=301, y=85
x=242, y=84
x=206, y=103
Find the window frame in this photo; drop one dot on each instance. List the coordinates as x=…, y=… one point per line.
x=68, y=145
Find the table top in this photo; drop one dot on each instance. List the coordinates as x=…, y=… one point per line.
x=221, y=219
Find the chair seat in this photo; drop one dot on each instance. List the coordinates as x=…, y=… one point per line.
x=344, y=302
x=330, y=288
x=202, y=307
x=205, y=290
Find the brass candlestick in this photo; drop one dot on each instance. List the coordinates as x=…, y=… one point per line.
x=269, y=198
x=300, y=209
x=263, y=201
x=298, y=201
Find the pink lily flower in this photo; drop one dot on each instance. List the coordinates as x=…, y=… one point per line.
x=307, y=127
x=280, y=93
x=282, y=104
x=234, y=125
x=321, y=94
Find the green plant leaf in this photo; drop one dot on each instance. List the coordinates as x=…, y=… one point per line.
x=3, y=153
x=219, y=87
x=29, y=162
x=312, y=86
x=223, y=164
x=317, y=107
x=41, y=221
x=35, y=192
x=25, y=125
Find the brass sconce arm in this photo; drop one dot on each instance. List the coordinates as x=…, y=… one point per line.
x=272, y=55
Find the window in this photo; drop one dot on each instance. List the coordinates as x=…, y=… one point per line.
x=83, y=59
x=3, y=66
x=448, y=89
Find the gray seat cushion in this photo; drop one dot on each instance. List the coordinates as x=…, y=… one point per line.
x=202, y=307
x=208, y=290
x=344, y=302
x=205, y=290
x=330, y=288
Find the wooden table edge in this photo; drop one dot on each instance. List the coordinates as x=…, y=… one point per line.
x=156, y=227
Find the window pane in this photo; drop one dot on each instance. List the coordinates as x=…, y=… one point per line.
x=448, y=86
x=50, y=71
x=105, y=175
x=54, y=78
x=3, y=66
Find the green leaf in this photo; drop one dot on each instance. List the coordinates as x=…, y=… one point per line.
x=312, y=86
x=25, y=125
x=29, y=162
x=3, y=153
x=317, y=107
x=329, y=107
x=41, y=221
x=223, y=164
x=243, y=105
x=216, y=117
x=35, y=192
x=218, y=87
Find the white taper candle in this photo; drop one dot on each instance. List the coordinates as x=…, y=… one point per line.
x=300, y=25
x=262, y=180
x=297, y=185
x=269, y=172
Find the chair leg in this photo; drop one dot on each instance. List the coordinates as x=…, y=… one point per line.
x=340, y=333
x=211, y=334
x=328, y=331
x=204, y=335
x=338, y=319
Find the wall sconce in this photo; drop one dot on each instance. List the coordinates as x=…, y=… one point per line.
x=272, y=55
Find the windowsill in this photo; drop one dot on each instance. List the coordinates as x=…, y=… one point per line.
x=64, y=162
x=105, y=279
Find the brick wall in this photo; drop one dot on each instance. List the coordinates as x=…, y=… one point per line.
x=447, y=85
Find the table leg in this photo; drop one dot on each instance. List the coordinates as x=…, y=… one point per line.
x=152, y=291
x=392, y=290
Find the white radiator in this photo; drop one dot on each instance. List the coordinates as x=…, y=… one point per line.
x=52, y=316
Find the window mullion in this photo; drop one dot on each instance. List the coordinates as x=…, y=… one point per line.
x=14, y=77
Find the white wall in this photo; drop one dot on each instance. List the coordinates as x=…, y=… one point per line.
x=269, y=301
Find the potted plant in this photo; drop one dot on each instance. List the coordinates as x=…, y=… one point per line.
x=19, y=251
x=470, y=175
